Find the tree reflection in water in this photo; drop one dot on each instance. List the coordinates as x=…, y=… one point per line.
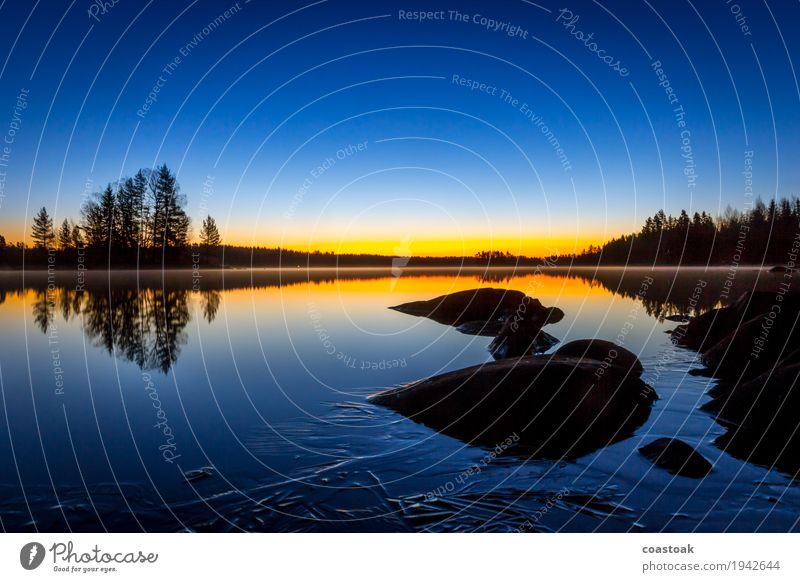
x=145, y=322
x=145, y=326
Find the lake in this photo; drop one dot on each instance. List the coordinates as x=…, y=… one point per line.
x=236, y=400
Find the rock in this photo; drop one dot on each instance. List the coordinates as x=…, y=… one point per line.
x=705, y=330
x=772, y=449
x=519, y=333
x=483, y=328
x=770, y=400
x=680, y=318
x=752, y=348
x=735, y=339
x=558, y=406
x=762, y=417
x=199, y=474
x=605, y=352
x=752, y=303
x=677, y=457
x=474, y=305
x=541, y=343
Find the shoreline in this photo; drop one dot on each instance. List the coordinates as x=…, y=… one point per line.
x=551, y=268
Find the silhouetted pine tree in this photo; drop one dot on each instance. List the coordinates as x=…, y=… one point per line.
x=42, y=229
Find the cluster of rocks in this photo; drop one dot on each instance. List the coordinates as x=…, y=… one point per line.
x=584, y=396
x=560, y=405
x=749, y=337
x=514, y=319
x=753, y=347
x=588, y=394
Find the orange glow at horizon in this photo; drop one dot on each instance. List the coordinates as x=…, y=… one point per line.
x=431, y=247
x=410, y=246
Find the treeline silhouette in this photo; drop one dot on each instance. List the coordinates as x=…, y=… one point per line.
x=137, y=221
x=141, y=222
x=762, y=234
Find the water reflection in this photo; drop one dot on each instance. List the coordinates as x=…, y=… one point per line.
x=210, y=304
x=672, y=290
x=142, y=316
x=286, y=446
x=144, y=326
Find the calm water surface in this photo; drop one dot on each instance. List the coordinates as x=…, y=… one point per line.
x=254, y=385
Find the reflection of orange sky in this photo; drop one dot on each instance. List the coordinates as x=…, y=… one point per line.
x=394, y=290
x=388, y=291
x=382, y=292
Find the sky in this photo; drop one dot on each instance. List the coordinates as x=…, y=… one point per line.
x=353, y=126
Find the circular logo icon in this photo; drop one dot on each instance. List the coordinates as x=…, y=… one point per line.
x=31, y=555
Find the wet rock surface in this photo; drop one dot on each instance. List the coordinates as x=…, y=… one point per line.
x=558, y=406
x=518, y=335
x=474, y=305
x=603, y=351
x=512, y=318
x=677, y=457
x=753, y=347
x=762, y=417
x=747, y=337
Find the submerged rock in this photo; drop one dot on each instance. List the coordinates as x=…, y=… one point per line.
x=558, y=406
x=199, y=474
x=541, y=343
x=677, y=457
x=519, y=333
x=474, y=305
x=511, y=317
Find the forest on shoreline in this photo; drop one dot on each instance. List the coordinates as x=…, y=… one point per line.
x=141, y=223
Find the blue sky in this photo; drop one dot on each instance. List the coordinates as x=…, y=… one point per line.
x=267, y=108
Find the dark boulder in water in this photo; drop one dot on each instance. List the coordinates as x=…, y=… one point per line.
x=511, y=317
x=482, y=328
x=753, y=303
x=770, y=448
x=558, y=406
x=541, y=343
x=605, y=352
x=474, y=305
x=769, y=400
x=519, y=333
x=199, y=474
x=677, y=457
x=762, y=416
x=753, y=348
x=747, y=337
x=707, y=329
